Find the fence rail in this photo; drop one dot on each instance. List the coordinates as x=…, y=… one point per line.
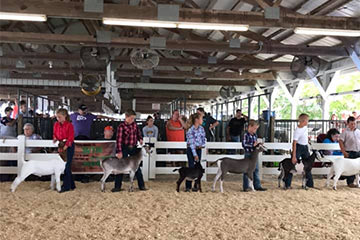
x=149, y=164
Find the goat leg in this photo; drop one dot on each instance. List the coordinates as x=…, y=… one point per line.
x=199, y=184
x=218, y=174
x=132, y=175
x=52, y=182
x=178, y=183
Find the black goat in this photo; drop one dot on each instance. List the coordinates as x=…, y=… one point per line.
x=190, y=174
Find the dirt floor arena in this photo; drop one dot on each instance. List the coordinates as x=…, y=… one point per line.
x=35, y=212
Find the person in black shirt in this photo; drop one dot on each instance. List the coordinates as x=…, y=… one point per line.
x=209, y=124
x=235, y=128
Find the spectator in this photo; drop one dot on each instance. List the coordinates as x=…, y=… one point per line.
x=235, y=128
x=356, y=116
x=108, y=133
x=29, y=134
x=82, y=121
x=332, y=136
x=175, y=128
x=64, y=131
x=7, y=124
x=150, y=130
x=209, y=124
x=350, y=145
x=128, y=134
x=23, y=109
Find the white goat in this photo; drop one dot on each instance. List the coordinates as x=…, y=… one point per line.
x=343, y=167
x=54, y=167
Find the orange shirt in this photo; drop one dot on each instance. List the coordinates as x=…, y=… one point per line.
x=175, y=135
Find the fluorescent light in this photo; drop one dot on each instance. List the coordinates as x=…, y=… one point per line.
x=170, y=24
x=22, y=17
x=138, y=23
x=327, y=32
x=213, y=26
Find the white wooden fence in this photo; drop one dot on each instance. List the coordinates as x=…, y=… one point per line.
x=149, y=164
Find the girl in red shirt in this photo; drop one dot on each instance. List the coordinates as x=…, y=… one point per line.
x=64, y=131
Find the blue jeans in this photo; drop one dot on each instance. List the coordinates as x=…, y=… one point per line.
x=68, y=180
x=233, y=139
x=351, y=179
x=126, y=151
x=256, y=177
x=302, y=152
x=191, y=163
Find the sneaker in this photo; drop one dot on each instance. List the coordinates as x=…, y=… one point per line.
x=261, y=189
x=116, y=190
x=195, y=190
x=187, y=190
x=143, y=189
x=352, y=185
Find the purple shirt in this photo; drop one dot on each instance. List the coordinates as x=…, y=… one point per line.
x=82, y=123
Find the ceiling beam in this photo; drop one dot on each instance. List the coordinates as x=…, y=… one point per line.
x=75, y=10
x=175, y=62
x=135, y=72
x=206, y=46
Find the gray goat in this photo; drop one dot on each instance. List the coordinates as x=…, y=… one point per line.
x=128, y=165
x=232, y=165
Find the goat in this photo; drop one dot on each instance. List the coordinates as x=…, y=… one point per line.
x=343, y=167
x=246, y=165
x=128, y=165
x=54, y=167
x=286, y=167
x=191, y=174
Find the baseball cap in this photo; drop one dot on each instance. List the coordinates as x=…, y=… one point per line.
x=83, y=107
x=109, y=128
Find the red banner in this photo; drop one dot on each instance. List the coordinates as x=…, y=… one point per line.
x=87, y=155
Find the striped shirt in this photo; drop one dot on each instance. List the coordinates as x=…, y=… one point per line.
x=195, y=138
x=248, y=142
x=127, y=134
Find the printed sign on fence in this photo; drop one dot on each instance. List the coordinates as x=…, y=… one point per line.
x=87, y=156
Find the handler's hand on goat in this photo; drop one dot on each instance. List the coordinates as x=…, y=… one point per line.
x=119, y=155
x=141, y=142
x=294, y=160
x=346, y=155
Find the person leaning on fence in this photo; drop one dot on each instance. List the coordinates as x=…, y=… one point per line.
x=175, y=128
x=30, y=135
x=350, y=144
x=64, y=132
x=82, y=121
x=196, y=139
x=300, y=149
x=150, y=130
x=249, y=144
x=7, y=124
x=128, y=134
x=332, y=136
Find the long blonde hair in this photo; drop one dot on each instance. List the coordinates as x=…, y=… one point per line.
x=64, y=112
x=191, y=121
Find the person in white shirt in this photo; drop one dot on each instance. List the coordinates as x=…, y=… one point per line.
x=350, y=145
x=150, y=130
x=300, y=149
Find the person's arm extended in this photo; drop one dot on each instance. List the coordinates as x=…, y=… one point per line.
x=183, y=124
x=11, y=123
x=342, y=148
x=293, y=157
